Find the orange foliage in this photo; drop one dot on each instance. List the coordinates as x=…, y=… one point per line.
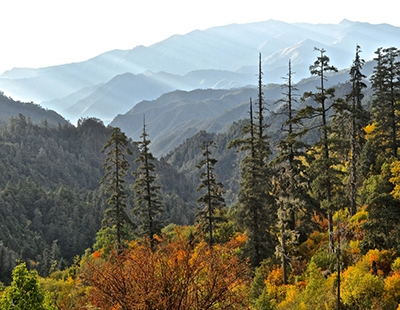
x=308, y=248
x=96, y=254
x=275, y=277
x=321, y=221
x=178, y=275
x=392, y=288
x=274, y=284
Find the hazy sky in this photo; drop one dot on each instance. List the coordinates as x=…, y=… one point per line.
x=38, y=33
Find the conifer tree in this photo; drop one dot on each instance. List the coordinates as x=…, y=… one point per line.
x=349, y=122
x=322, y=172
x=116, y=166
x=385, y=110
x=291, y=185
x=212, y=200
x=256, y=212
x=148, y=204
x=382, y=229
x=359, y=119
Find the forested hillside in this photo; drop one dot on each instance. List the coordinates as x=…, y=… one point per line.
x=296, y=209
x=38, y=115
x=52, y=204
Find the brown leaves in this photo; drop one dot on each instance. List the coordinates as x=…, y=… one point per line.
x=178, y=275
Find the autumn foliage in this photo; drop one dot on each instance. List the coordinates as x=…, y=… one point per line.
x=177, y=275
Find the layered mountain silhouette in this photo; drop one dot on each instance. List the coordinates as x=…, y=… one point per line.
x=29, y=111
x=217, y=58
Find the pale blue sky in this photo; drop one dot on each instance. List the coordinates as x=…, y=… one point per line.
x=38, y=33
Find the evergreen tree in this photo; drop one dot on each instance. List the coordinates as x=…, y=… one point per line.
x=359, y=118
x=148, y=204
x=349, y=122
x=116, y=166
x=385, y=106
x=322, y=173
x=382, y=229
x=256, y=213
x=212, y=200
x=291, y=184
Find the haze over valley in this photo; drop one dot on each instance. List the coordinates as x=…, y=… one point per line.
x=223, y=57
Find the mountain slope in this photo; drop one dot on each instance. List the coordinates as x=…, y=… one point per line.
x=37, y=115
x=184, y=61
x=122, y=92
x=178, y=115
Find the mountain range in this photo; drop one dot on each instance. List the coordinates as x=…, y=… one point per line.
x=221, y=63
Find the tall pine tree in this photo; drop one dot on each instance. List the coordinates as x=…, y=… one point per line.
x=385, y=105
x=291, y=186
x=324, y=176
x=212, y=200
x=256, y=211
x=147, y=201
x=349, y=122
x=382, y=230
x=116, y=166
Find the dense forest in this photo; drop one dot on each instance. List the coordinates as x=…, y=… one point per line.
x=292, y=208
x=52, y=204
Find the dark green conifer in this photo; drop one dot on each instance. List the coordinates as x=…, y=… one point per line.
x=385, y=105
x=212, y=200
x=322, y=173
x=291, y=186
x=256, y=212
x=116, y=166
x=148, y=204
x=348, y=126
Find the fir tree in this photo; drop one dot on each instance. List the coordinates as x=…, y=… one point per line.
x=256, y=213
x=212, y=200
x=385, y=111
x=116, y=166
x=382, y=228
x=148, y=204
x=291, y=185
x=321, y=169
x=348, y=122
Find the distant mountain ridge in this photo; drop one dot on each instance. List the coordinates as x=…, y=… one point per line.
x=176, y=116
x=220, y=57
x=30, y=111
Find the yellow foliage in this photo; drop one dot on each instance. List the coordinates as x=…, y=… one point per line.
x=369, y=129
x=395, y=179
x=274, y=285
x=303, y=160
x=292, y=298
x=396, y=264
x=241, y=238
x=317, y=293
x=354, y=249
x=360, y=288
x=359, y=218
x=392, y=288
x=275, y=277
